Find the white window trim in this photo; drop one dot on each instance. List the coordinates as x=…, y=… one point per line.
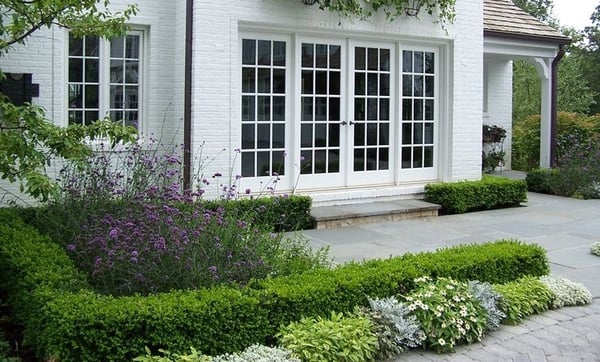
x=104, y=76
x=442, y=169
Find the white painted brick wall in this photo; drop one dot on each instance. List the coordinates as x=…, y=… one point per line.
x=500, y=100
x=216, y=73
x=44, y=54
x=216, y=80
x=466, y=88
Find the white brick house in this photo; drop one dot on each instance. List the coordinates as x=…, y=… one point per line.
x=340, y=109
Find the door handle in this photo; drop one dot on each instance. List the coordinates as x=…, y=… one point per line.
x=343, y=123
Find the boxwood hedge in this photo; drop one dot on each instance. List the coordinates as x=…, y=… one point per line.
x=66, y=321
x=488, y=193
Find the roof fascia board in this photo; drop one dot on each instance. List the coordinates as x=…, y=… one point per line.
x=512, y=47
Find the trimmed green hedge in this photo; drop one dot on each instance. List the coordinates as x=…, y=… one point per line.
x=541, y=180
x=66, y=321
x=487, y=193
x=282, y=213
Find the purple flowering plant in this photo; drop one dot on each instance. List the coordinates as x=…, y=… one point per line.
x=126, y=221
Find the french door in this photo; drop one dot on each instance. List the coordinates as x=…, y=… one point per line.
x=336, y=113
x=345, y=113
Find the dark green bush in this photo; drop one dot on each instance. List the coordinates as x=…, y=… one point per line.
x=89, y=327
x=317, y=293
x=541, y=180
x=63, y=319
x=487, y=193
x=281, y=213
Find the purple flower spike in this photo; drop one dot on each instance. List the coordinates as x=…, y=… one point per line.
x=113, y=233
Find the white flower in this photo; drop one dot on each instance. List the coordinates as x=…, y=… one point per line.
x=463, y=313
x=438, y=314
x=440, y=308
x=449, y=287
x=412, y=307
x=441, y=342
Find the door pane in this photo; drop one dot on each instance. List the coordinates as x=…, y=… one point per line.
x=372, y=108
x=418, y=110
x=263, y=112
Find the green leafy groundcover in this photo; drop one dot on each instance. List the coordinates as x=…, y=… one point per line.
x=65, y=320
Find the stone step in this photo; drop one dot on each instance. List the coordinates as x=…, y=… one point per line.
x=371, y=212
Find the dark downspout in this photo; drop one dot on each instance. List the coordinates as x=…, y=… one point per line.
x=554, y=105
x=187, y=100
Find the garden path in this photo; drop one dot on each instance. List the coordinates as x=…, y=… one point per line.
x=565, y=227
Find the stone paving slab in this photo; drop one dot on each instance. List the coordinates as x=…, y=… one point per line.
x=564, y=227
x=559, y=340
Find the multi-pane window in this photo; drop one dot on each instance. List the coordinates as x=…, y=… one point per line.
x=105, y=79
x=418, y=101
x=371, y=108
x=320, y=106
x=263, y=107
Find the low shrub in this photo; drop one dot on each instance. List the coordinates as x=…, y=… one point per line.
x=566, y=293
x=595, y=248
x=448, y=313
x=490, y=301
x=65, y=320
x=280, y=213
x=336, y=339
x=341, y=289
x=487, y=193
x=396, y=330
x=541, y=180
x=523, y=297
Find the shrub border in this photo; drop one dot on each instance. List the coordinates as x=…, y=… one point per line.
x=488, y=193
x=65, y=320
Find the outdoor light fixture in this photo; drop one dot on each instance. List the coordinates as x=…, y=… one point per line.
x=414, y=6
x=309, y=2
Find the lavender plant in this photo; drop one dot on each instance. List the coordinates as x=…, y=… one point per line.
x=126, y=221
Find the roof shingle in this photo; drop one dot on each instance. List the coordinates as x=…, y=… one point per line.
x=504, y=18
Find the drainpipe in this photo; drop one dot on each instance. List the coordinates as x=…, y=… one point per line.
x=554, y=105
x=187, y=101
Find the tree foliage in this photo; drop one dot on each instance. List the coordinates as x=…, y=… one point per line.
x=21, y=18
x=589, y=55
x=576, y=91
x=541, y=9
x=28, y=141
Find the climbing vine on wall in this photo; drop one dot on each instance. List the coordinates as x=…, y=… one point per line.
x=363, y=9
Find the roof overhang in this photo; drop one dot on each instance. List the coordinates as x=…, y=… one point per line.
x=511, y=47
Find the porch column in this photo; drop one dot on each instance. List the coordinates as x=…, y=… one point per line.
x=543, y=66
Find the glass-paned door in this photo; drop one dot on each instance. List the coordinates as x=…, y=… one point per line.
x=263, y=107
x=321, y=112
x=372, y=101
x=419, y=114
